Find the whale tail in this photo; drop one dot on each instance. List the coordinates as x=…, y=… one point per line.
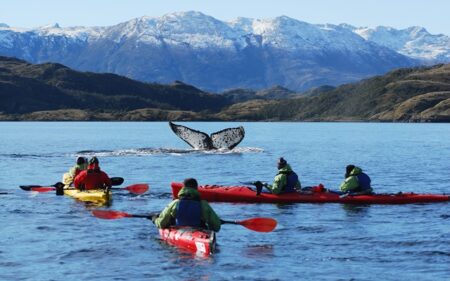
x=224, y=139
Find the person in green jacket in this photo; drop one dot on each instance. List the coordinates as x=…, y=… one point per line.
x=356, y=182
x=285, y=181
x=81, y=165
x=188, y=210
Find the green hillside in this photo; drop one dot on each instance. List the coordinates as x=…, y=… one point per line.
x=26, y=88
x=54, y=92
x=412, y=94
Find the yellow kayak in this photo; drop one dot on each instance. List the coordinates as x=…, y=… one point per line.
x=96, y=196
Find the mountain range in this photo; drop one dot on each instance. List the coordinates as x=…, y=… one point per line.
x=52, y=91
x=219, y=56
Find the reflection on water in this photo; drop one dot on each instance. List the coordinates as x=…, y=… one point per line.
x=184, y=256
x=258, y=251
x=351, y=209
x=285, y=206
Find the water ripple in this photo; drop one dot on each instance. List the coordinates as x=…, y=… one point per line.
x=56, y=238
x=169, y=151
x=26, y=155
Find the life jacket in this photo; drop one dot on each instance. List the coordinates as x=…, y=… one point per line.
x=291, y=180
x=189, y=213
x=364, y=182
x=92, y=179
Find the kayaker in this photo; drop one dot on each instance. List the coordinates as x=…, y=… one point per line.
x=285, y=181
x=80, y=165
x=93, y=177
x=188, y=210
x=356, y=182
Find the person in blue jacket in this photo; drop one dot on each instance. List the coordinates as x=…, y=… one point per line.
x=188, y=210
x=286, y=180
x=356, y=182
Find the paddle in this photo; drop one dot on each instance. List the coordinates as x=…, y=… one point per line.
x=114, y=181
x=138, y=188
x=255, y=224
x=30, y=187
x=113, y=215
x=259, y=185
x=251, y=182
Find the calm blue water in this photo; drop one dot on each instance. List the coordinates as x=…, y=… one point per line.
x=44, y=237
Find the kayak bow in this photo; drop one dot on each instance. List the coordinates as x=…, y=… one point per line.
x=199, y=241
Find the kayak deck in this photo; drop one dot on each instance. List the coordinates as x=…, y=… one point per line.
x=245, y=194
x=199, y=241
x=95, y=196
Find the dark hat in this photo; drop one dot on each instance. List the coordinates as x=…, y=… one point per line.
x=349, y=168
x=281, y=161
x=93, y=160
x=190, y=182
x=81, y=160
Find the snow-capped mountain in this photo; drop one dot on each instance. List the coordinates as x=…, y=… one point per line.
x=415, y=42
x=213, y=54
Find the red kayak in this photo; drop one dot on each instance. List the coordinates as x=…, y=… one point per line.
x=245, y=194
x=199, y=241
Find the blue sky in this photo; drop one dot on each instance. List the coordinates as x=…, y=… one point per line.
x=431, y=14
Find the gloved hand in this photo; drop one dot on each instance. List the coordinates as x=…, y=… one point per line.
x=259, y=186
x=154, y=217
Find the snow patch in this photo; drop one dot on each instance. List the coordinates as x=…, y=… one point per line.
x=196, y=30
x=415, y=42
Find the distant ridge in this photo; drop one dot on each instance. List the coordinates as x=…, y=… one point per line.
x=216, y=55
x=27, y=88
x=54, y=92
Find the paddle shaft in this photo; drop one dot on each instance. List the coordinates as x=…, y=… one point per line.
x=143, y=216
x=135, y=189
x=248, y=182
x=114, y=181
x=229, y=222
x=112, y=215
x=111, y=188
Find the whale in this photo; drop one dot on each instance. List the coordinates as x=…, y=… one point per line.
x=225, y=139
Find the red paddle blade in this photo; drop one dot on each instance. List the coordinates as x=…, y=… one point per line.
x=109, y=214
x=137, y=188
x=259, y=224
x=43, y=189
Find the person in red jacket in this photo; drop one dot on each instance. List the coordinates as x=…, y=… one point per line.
x=93, y=177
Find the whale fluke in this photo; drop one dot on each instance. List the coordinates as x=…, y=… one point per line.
x=224, y=139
